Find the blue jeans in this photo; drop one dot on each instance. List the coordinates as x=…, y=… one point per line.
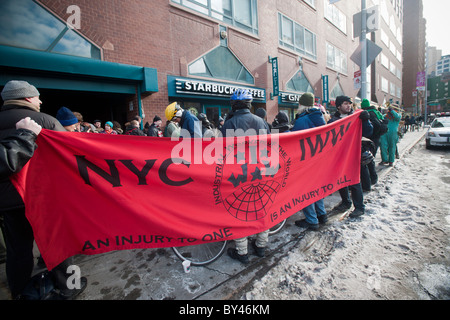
x=357, y=196
x=313, y=211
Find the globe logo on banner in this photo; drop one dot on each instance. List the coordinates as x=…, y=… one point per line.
x=251, y=177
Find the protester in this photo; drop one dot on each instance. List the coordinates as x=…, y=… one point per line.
x=261, y=112
x=369, y=174
x=388, y=141
x=243, y=119
x=21, y=100
x=133, y=129
x=220, y=125
x=281, y=123
x=310, y=116
x=207, y=127
x=155, y=129
x=98, y=126
x=109, y=128
x=172, y=130
x=67, y=119
x=17, y=148
x=344, y=109
x=117, y=127
x=189, y=123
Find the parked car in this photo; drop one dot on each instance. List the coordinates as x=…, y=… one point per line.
x=439, y=133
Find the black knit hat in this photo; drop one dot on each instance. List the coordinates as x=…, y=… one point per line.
x=341, y=99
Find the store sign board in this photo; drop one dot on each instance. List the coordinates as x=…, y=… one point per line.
x=203, y=89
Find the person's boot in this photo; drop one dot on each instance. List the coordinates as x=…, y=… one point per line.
x=307, y=225
x=260, y=252
x=236, y=256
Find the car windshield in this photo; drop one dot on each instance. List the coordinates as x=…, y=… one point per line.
x=440, y=123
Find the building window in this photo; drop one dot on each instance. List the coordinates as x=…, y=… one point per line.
x=335, y=16
x=25, y=24
x=239, y=13
x=296, y=37
x=299, y=83
x=312, y=3
x=336, y=92
x=336, y=59
x=384, y=85
x=221, y=63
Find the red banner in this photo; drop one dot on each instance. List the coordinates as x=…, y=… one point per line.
x=90, y=193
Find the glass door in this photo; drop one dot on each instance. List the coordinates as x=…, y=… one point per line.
x=213, y=112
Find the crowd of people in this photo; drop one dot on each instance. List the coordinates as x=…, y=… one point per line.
x=21, y=122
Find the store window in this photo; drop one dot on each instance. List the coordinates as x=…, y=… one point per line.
x=25, y=24
x=299, y=83
x=239, y=13
x=221, y=63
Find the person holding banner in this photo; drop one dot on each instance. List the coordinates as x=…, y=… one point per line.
x=21, y=100
x=344, y=109
x=308, y=117
x=19, y=147
x=248, y=122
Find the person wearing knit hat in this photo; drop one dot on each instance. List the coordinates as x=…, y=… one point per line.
x=308, y=117
x=22, y=100
x=21, y=90
x=344, y=109
x=154, y=130
x=67, y=119
x=109, y=128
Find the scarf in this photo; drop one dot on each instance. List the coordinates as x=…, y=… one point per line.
x=21, y=103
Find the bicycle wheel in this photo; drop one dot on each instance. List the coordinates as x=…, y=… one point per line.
x=276, y=228
x=201, y=254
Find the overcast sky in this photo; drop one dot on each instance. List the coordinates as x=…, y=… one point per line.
x=437, y=13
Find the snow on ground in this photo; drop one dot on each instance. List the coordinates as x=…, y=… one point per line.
x=398, y=250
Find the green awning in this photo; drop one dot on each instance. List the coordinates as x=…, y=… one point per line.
x=58, y=71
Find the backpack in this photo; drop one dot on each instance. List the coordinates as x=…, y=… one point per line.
x=383, y=126
x=40, y=287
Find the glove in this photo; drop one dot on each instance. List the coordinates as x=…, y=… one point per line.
x=364, y=115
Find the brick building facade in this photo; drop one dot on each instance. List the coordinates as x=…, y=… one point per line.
x=193, y=52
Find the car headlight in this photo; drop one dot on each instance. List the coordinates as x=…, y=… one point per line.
x=431, y=134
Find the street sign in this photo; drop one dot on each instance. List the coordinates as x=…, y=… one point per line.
x=276, y=86
x=357, y=80
x=420, y=81
x=325, y=89
x=372, y=21
x=372, y=52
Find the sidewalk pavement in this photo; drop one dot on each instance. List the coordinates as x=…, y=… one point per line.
x=157, y=274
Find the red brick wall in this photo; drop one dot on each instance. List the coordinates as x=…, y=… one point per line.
x=161, y=35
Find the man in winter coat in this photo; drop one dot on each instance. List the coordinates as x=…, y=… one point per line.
x=244, y=123
x=369, y=174
x=281, y=123
x=191, y=127
x=310, y=117
x=388, y=141
x=18, y=148
x=154, y=130
x=344, y=109
x=21, y=100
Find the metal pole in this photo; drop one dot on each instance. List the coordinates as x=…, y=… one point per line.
x=364, y=50
x=426, y=83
